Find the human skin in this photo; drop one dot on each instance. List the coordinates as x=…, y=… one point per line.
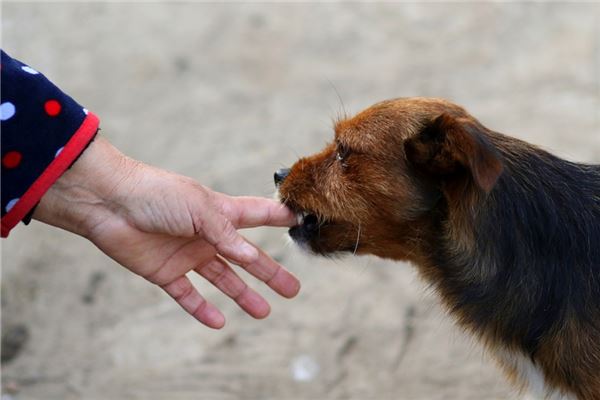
x=161, y=226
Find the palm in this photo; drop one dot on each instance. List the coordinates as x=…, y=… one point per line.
x=164, y=259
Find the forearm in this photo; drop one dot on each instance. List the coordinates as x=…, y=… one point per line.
x=85, y=195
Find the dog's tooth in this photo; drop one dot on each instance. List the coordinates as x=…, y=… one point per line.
x=299, y=218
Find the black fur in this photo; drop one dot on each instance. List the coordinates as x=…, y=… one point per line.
x=538, y=239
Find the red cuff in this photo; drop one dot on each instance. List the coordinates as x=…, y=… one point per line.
x=57, y=167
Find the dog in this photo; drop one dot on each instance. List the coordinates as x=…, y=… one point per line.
x=507, y=233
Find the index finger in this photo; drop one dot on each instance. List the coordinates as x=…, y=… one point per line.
x=235, y=248
x=250, y=212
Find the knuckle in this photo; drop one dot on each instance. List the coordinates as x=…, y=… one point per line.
x=220, y=274
x=273, y=274
x=228, y=233
x=184, y=290
x=199, y=308
x=240, y=293
x=178, y=289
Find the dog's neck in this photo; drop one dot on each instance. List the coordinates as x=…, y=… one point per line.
x=512, y=264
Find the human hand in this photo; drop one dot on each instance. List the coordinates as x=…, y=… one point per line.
x=161, y=226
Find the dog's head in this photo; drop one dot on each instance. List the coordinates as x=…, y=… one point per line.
x=372, y=188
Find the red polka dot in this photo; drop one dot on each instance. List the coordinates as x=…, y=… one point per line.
x=12, y=159
x=52, y=108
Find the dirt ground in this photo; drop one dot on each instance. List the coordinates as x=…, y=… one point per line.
x=227, y=93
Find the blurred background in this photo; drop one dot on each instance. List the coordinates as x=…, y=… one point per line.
x=226, y=94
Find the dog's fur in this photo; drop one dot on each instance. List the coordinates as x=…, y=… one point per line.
x=507, y=233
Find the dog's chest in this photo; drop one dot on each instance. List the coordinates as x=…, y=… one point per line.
x=534, y=383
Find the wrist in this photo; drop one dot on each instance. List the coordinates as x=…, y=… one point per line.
x=86, y=194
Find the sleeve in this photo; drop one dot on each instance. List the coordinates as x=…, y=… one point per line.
x=43, y=133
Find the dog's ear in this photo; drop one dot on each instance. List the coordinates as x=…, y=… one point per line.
x=450, y=145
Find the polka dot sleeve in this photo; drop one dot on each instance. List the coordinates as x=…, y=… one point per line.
x=43, y=133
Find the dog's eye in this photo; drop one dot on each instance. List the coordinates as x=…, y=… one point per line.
x=342, y=153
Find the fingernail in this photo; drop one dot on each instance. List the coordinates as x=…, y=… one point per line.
x=218, y=320
x=294, y=289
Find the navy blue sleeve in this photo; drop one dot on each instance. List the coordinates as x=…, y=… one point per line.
x=43, y=132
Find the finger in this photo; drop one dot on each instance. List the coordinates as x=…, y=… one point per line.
x=221, y=233
x=220, y=274
x=186, y=295
x=249, y=212
x=182, y=257
x=273, y=274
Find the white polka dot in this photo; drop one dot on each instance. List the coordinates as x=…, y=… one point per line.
x=58, y=152
x=85, y=111
x=29, y=70
x=11, y=204
x=7, y=110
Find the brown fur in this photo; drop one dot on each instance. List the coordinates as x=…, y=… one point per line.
x=422, y=180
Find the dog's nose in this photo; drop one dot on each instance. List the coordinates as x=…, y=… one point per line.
x=280, y=175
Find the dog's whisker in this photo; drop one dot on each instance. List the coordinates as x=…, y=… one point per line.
x=344, y=114
x=357, y=240
x=322, y=220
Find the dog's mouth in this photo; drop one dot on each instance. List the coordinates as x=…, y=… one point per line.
x=307, y=232
x=307, y=220
x=318, y=234
x=308, y=225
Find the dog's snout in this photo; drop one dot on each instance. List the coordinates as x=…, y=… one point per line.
x=280, y=175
